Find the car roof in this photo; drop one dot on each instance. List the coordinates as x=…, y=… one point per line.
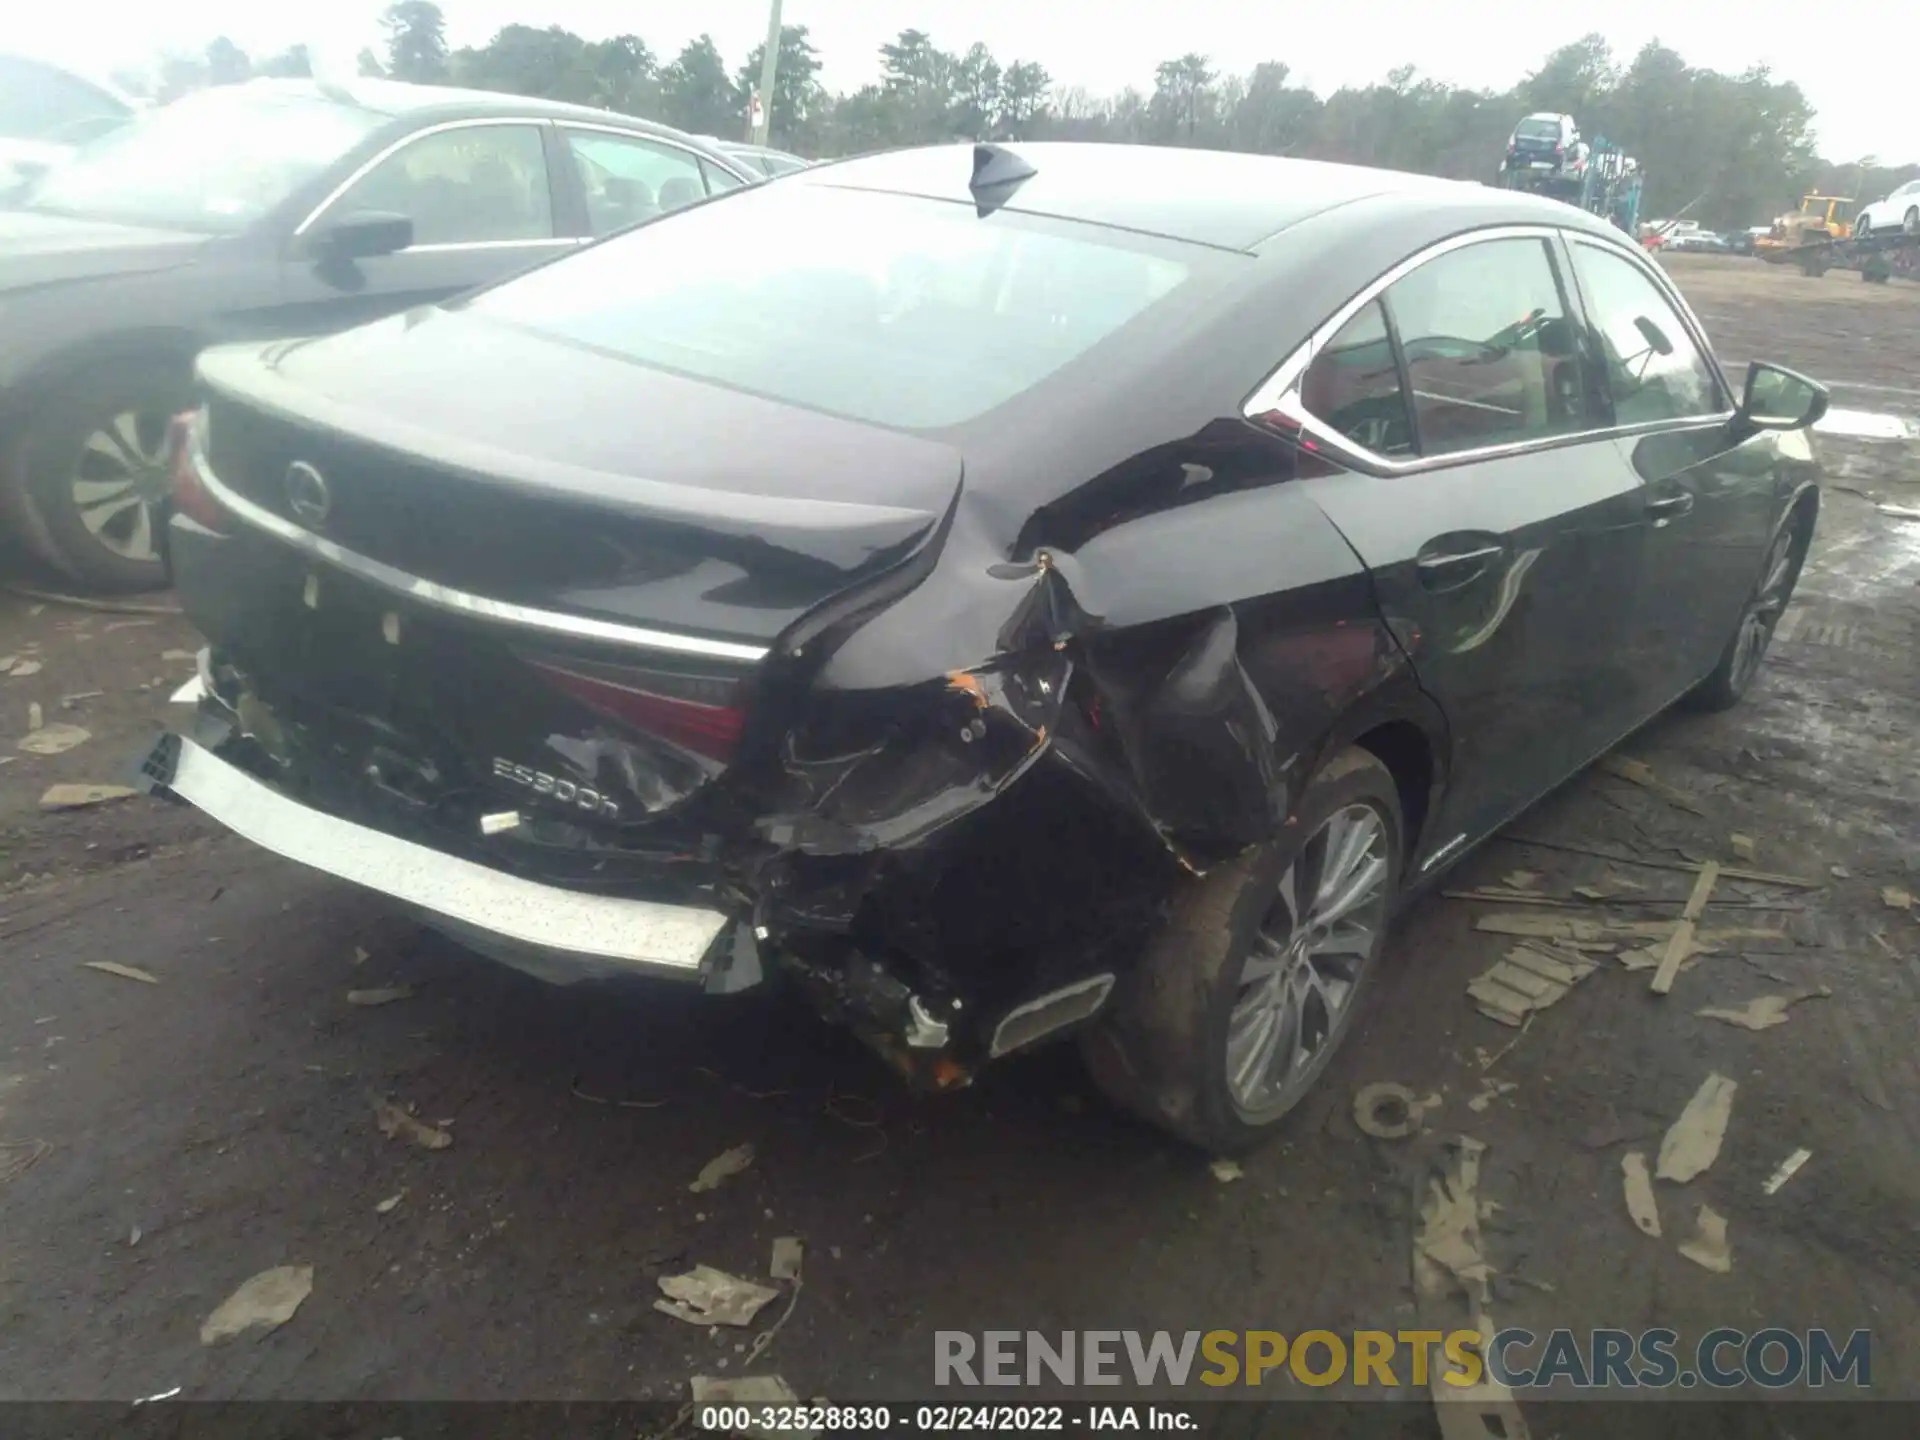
x=1226, y=199
x=397, y=98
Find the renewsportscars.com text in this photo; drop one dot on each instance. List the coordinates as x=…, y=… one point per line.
x=1723, y=1359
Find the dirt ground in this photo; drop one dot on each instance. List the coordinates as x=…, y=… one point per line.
x=167, y=1141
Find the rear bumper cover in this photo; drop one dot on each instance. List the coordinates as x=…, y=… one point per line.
x=599, y=933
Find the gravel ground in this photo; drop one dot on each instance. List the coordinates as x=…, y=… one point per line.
x=168, y=1141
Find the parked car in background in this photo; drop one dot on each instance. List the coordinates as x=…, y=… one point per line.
x=46, y=110
x=1001, y=590
x=268, y=209
x=1899, y=211
x=1698, y=240
x=769, y=162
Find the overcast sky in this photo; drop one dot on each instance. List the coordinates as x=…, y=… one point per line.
x=1850, y=56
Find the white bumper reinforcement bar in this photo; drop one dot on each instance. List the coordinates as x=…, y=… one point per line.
x=640, y=933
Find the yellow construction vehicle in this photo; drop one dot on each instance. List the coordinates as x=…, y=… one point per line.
x=1820, y=220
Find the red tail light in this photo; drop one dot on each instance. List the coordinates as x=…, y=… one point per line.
x=190, y=497
x=704, y=717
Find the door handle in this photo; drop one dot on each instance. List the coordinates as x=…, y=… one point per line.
x=1669, y=507
x=1449, y=569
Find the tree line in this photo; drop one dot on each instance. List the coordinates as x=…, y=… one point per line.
x=1731, y=150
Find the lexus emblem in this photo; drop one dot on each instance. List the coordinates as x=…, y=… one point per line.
x=307, y=494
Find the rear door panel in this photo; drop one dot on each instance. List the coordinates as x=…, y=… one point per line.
x=1502, y=529
x=1525, y=654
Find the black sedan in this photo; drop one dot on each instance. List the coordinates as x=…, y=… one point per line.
x=272, y=208
x=1065, y=588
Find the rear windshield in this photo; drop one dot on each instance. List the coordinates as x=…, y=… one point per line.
x=1538, y=130
x=907, y=312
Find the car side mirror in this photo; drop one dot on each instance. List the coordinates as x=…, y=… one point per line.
x=362, y=235
x=1780, y=399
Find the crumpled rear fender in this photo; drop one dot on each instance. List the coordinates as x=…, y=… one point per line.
x=1196, y=664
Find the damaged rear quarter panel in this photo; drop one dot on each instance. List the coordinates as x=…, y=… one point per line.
x=1200, y=657
x=1240, y=646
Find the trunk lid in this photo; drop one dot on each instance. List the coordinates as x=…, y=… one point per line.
x=523, y=469
x=541, y=579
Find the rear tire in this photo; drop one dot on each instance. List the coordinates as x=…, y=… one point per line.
x=1911, y=223
x=1772, y=591
x=1240, y=1001
x=92, y=473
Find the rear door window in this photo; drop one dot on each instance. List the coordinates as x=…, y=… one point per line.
x=1653, y=369
x=1353, y=386
x=1491, y=355
x=628, y=179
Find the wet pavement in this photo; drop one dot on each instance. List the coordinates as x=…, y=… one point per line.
x=166, y=1141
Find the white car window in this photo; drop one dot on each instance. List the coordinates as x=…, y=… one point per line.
x=475, y=184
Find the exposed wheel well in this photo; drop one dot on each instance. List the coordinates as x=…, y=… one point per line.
x=1402, y=747
x=165, y=348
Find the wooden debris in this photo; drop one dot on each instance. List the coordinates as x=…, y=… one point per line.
x=396, y=1123
x=55, y=739
x=1789, y=1167
x=1641, y=1207
x=1446, y=1250
x=265, y=1302
x=1692, y=1142
x=1649, y=957
x=1742, y=845
x=723, y=1167
x=1762, y=1012
x=1512, y=897
x=1529, y=978
x=706, y=1296
x=1638, y=772
x=80, y=797
x=788, y=1252
x=1588, y=897
x=1727, y=872
x=1897, y=898
x=1681, y=941
x=125, y=972
x=1708, y=1248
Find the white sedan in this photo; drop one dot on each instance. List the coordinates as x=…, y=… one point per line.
x=1899, y=211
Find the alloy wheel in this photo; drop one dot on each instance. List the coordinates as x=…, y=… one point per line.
x=119, y=480
x=1763, y=611
x=1299, y=979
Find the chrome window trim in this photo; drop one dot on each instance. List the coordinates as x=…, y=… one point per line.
x=460, y=602
x=535, y=122
x=1279, y=393
x=725, y=162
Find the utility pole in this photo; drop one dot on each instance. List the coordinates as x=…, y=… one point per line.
x=761, y=123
